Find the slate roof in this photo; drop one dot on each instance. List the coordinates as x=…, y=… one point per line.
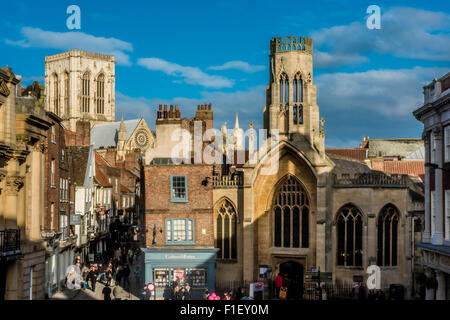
x=392, y=147
x=78, y=157
x=418, y=154
x=106, y=134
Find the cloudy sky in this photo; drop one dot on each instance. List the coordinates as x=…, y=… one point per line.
x=216, y=51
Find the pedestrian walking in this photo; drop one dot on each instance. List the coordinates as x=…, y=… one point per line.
x=119, y=275
x=93, y=278
x=206, y=294
x=126, y=277
x=106, y=292
x=137, y=276
x=187, y=291
x=130, y=256
x=278, y=284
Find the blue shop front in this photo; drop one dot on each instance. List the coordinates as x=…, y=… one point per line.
x=164, y=266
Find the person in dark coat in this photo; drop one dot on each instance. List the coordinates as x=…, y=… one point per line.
x=126, y=277
x=107, y=292
x=92, y=276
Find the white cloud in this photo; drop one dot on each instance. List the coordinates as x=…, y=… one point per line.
x=405, y=33
x=239, y=65
x=191, y=75
x=249, y=104
x=35, y=37
x=388, y=92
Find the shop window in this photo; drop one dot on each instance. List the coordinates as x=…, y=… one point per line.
x=178, y=185
x=161, y=277
x=179, y=231
x=197, y=277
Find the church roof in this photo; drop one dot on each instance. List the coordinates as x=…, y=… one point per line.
x=106, y=134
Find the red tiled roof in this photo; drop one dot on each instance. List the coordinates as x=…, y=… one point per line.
x=350, y=153
x=101, y=177
x=100, y=160
x=413, y=167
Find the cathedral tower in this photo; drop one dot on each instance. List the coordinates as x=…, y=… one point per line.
x=291, y=94
x=80, y=85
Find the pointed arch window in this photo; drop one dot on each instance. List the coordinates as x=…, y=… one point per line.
x=284, y=89
x=291, y=216
x=387, y=230
x=85, y=93
x=66, y=93
x=298, y=99
x=349, y=236
x=100, y=98
x=226, y=231
x=56, y=95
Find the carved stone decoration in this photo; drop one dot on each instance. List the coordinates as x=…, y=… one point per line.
x=4, y=88
x=22, y=141
x=40, y=146
x=13, y=184
x=309, y=77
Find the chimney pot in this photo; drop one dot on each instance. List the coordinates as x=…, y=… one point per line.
x=165, y=107
x=160, y=107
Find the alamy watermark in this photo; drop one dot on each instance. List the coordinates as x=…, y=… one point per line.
x=217, y=147
x=74, y=20
x=374, y=20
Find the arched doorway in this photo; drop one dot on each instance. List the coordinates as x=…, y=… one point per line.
x=293, y=271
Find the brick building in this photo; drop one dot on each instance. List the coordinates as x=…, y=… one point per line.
x=179, y=237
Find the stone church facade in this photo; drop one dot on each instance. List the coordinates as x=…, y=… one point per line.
x=316, y=210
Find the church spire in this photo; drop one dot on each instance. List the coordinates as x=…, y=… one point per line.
x=236, y=124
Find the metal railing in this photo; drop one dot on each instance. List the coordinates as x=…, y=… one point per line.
x=9, y=241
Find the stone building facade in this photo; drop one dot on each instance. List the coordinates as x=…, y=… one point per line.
x=23, y=132
x=435, y=244
x=80, y=85
x=289, y=206
x=317, y=210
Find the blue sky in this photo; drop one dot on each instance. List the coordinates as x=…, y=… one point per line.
x=191, y=52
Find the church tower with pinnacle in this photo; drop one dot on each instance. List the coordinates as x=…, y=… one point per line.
x=291, y=105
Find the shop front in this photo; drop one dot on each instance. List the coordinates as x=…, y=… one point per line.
x=164, y=267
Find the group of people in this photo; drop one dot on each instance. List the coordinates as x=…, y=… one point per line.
x=115, y=272
x=228, y=295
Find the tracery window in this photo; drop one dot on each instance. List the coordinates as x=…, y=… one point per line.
x=298, y=99
x=291, y=215
x=85, y=92
x=349, y=236
x=100, y=94
x=66, y=93
x=226, y=231
x=387, y=229
x=55, y=94
x=284, y=89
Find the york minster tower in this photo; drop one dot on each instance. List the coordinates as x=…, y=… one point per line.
x=80, y=85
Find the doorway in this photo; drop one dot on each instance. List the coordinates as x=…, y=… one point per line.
x=293, y=272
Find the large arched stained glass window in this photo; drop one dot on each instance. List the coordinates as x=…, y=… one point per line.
x=291, y=216
x=226, y=231
x=349, y=236
x=387, y=229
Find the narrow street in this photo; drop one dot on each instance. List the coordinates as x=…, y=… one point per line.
x=87, y=294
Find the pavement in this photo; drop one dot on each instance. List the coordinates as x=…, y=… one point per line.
x=88, y=294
